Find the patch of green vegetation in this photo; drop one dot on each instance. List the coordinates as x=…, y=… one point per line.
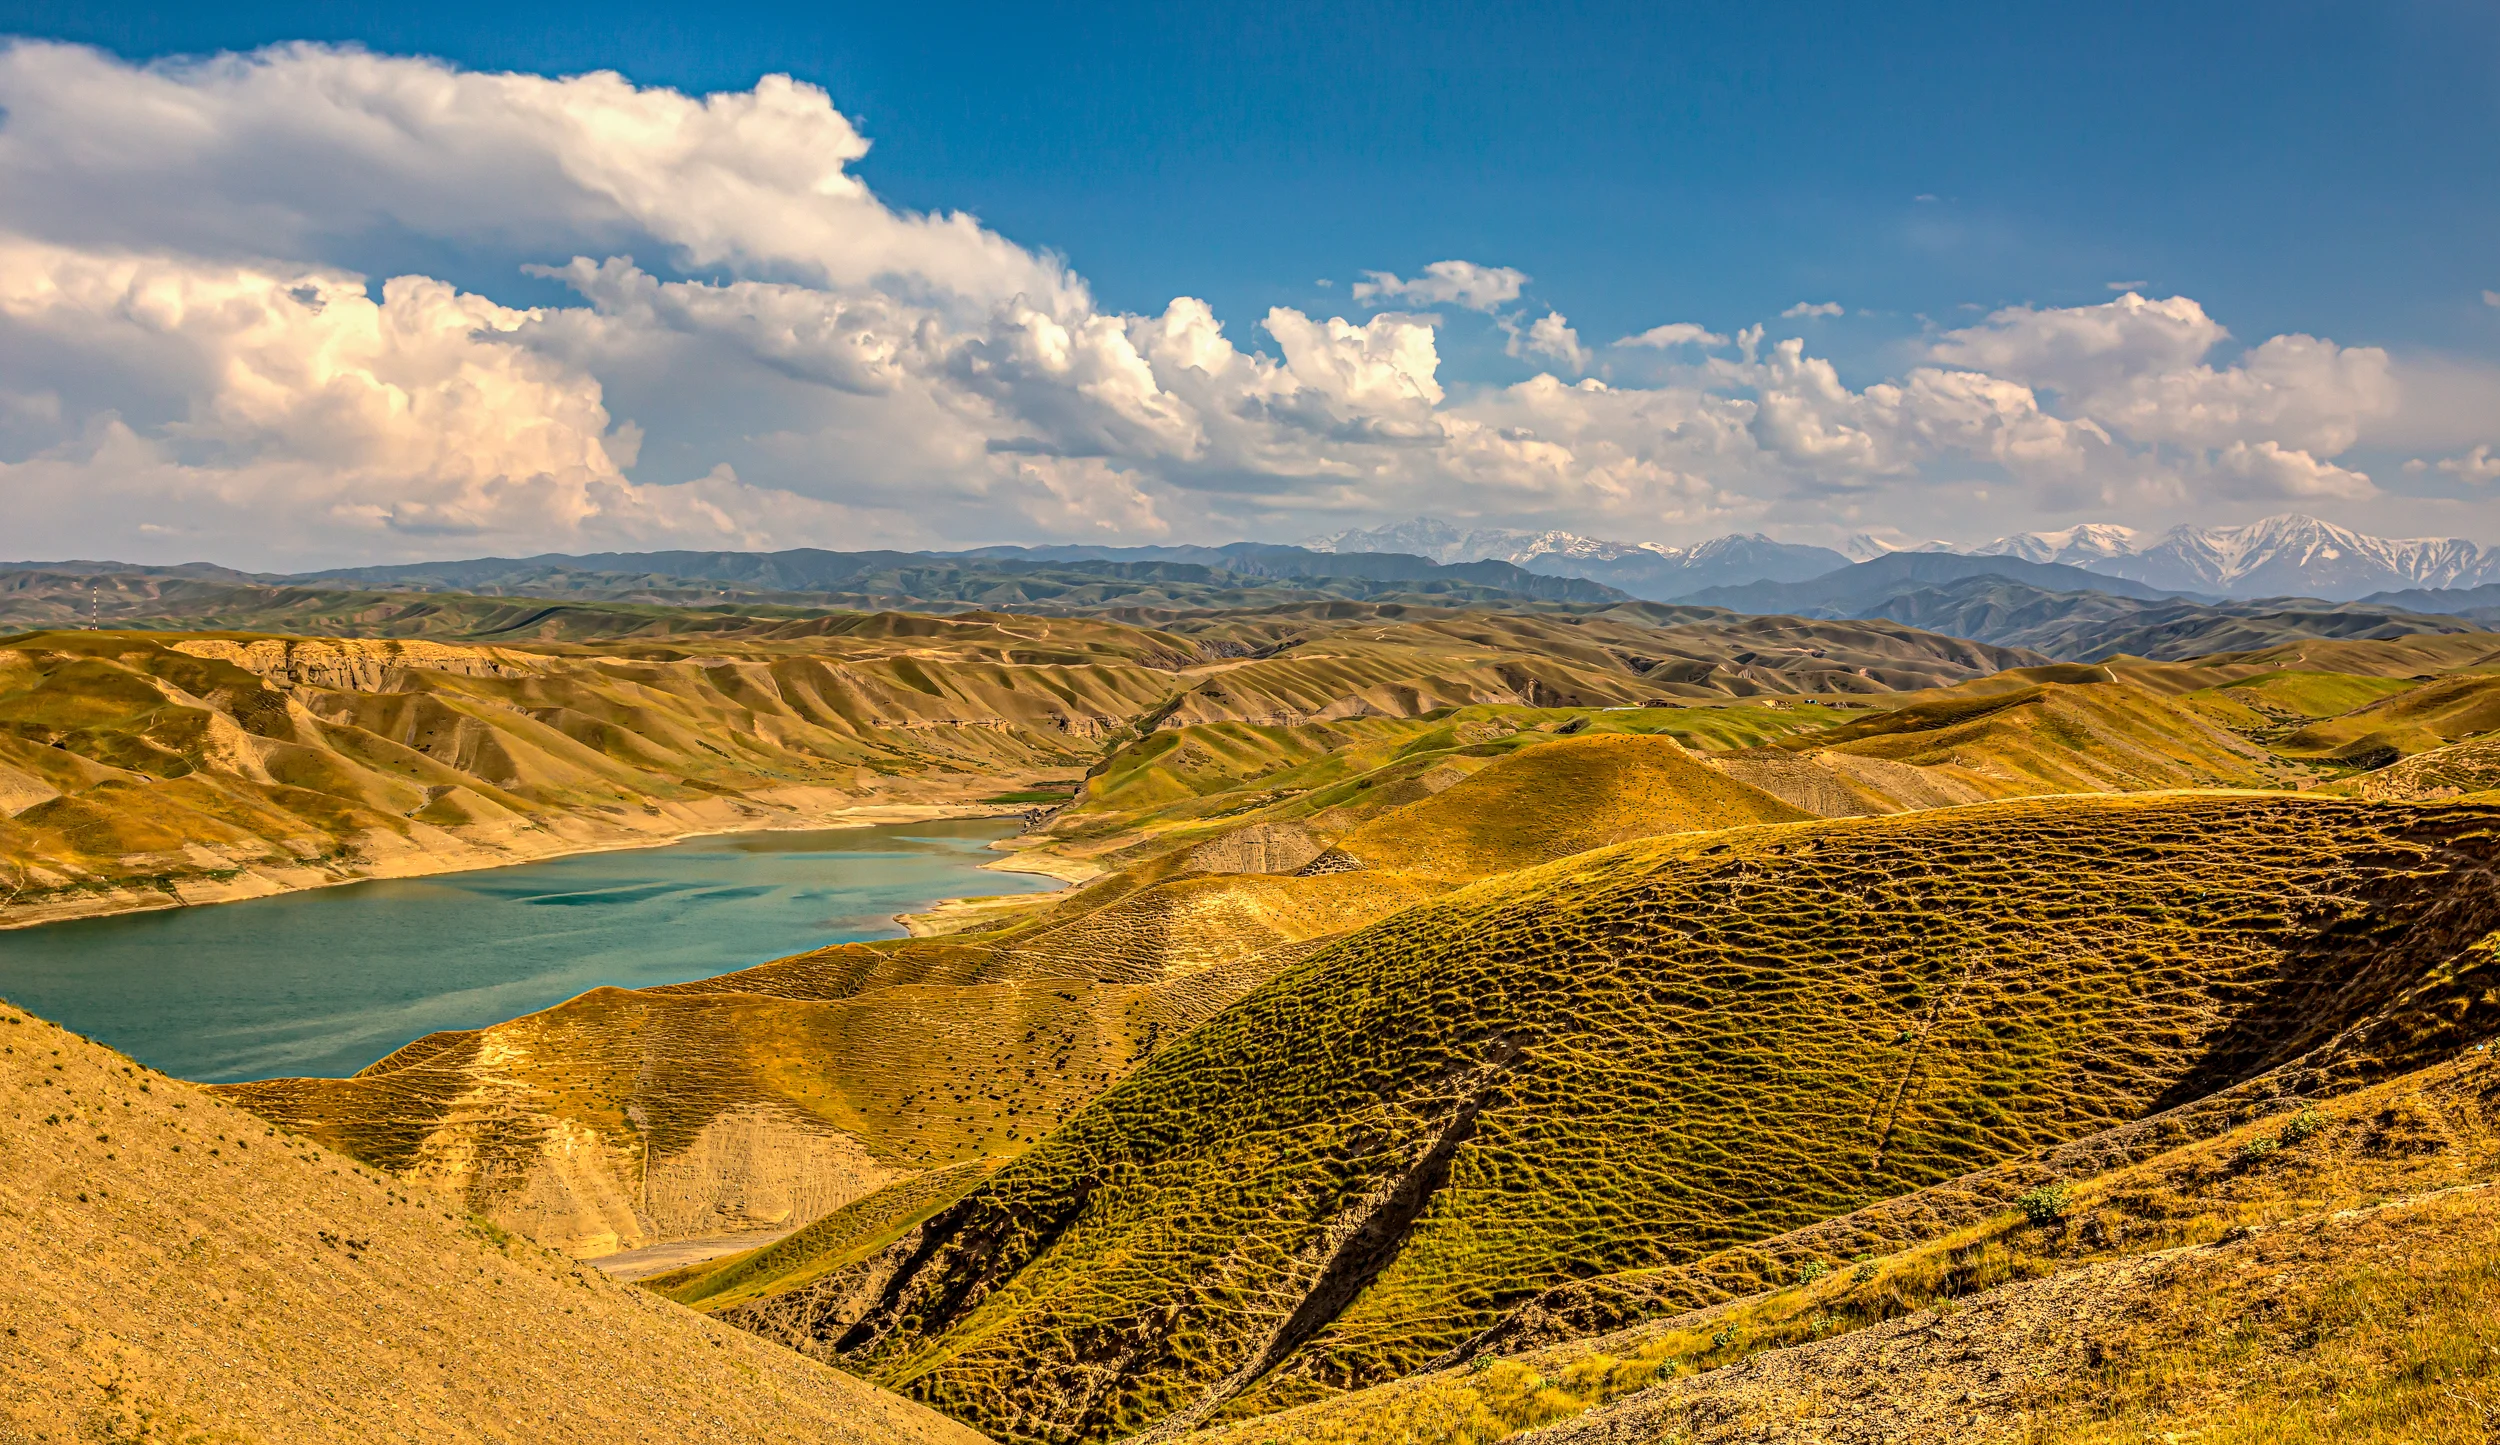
x=1647, y=1053
x=2427, y=1131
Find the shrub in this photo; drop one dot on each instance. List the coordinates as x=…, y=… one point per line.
x=1812, y=1270
x=2300, y=1126
x=2043, y=1206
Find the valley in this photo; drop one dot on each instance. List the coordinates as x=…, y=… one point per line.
x=1461, y=1021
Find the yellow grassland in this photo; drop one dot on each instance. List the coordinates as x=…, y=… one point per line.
x=180, y=1270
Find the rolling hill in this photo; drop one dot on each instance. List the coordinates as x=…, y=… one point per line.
x=1639, y=1055
x=180, y=1270
x=147, y=770
x=760, y=1100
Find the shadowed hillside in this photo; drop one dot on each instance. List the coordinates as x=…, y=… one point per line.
x=180, y=1270
x=765, y=1098
x=1650, y=1052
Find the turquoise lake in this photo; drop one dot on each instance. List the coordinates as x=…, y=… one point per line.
x=327, y=981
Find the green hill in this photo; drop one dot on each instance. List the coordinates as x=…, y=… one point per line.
x=1640, y=1055
x=2129, y=1286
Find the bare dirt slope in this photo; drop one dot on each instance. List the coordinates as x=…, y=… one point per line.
x=180, y=1271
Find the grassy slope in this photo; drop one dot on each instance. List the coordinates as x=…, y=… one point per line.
x=2472, y=766
x=1641, y=1055
x=2439, y=712
x=1301, y=786
x=2292, y=1162
x=179, y=1270
x=1552, y=800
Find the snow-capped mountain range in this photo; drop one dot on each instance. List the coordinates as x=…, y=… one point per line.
x=2283, y=556
x=1644, y=569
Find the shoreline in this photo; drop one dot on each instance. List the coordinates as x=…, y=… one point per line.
x=477, y=857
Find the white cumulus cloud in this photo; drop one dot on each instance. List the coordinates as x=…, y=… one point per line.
x=1813, y=308
x=750, y=348
x=1549, y=336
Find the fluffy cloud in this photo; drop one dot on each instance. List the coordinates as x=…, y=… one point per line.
x=1446, y=283
x=310, y=410
x=1551, y=337
x=2269, y=470
x=284, y=149
x=189, y=366
x=2139, y=367
x=2478, y=465
x=1811, y=309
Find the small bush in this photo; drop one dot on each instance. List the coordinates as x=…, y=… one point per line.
x=2255, y=1150
x=2300, y=1126
x=2043, y=1206
x=1812, y=1270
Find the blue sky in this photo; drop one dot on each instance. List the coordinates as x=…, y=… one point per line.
x=2311, y=169
x=2328, y=167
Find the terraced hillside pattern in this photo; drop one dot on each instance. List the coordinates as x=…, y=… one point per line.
x=2157, y=1312
x=181, y=1270
x=1643, y=1054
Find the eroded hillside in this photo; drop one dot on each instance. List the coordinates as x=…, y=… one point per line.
x=140, y=770
x=2297, y=1268
x=146, y=770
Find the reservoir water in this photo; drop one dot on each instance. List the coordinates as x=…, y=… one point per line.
x=327, y=981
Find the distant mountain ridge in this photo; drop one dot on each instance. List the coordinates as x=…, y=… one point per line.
x=1653, y=571
x=2290, y=555
x=2279, y=556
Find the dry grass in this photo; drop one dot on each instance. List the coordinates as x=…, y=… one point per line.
x=142, y=770
x=181, y=1271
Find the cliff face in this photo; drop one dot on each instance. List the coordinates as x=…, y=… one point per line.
x=358, y=664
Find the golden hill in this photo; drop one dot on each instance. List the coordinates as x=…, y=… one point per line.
x=766, y=1098
x=1556, y=799
x=180, y=1270
x=2472, y=766
x=141, y=770
x=2068, y=729
x=1647, y=1053
x=762, y=1099
x=144, y=769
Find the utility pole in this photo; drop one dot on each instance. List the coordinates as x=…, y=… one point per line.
x=95, y=608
